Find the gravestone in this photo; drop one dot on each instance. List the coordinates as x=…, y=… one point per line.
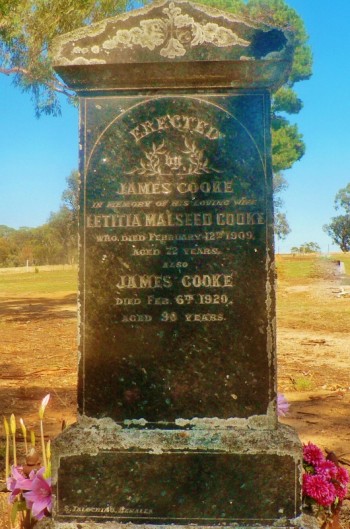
x=177, y=374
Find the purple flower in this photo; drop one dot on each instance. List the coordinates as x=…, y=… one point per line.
x=38, y=499
x=312, y=454
x=319, y=489
x=17, y=483
x=282, y=405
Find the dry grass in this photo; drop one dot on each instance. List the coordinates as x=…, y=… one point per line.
x=317, y=309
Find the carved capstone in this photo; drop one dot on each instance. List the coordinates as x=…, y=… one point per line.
x=223, y=48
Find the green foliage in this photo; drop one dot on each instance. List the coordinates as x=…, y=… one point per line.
x=18, y=506
x=287, y=144
x=282, y=228
x=55, y=242
x=303, y=383
x=5, y=231
x=27, y=29
x=339, y=231
x=342, y=199
x=307, y=247
x=26, y=32
x=339, y=227
x=70, y=196
x=286, y=100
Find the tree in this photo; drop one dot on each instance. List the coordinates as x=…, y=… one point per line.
x=7, y=252
x=307, y=247
x=282, y=228
x=70, y=196
x=28, y=28
x=64, y=231
x=339, y=227
x=55, y=242
x=64, y=223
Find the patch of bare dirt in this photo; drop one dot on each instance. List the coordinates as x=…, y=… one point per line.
x=38, y=355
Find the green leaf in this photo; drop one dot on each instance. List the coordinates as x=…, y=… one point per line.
x=18, y=506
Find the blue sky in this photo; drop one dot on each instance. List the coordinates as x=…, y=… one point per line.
x=38, y=155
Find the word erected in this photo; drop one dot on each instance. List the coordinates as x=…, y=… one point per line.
x=177, y=122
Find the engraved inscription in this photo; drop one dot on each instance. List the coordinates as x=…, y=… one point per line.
x=136, y=220
x=178, y=122
x=175, y=228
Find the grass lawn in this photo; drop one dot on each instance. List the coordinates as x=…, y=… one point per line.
x=299, y=306
x=42, y=282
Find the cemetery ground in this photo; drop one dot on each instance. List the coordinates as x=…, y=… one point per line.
x=38, y=350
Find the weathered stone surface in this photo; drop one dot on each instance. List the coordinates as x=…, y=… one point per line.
x=177, y=268
x=206, y=477
x=223, y=49
x=201, y=488
x=177, y=339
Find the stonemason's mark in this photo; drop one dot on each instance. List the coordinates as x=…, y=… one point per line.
x=161, y=161
x=175, y=32
x=75, y=509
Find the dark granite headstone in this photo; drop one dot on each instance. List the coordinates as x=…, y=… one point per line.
x=176, y=272
x=176, y=275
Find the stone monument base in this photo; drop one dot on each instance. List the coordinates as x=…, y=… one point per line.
x=240, y=477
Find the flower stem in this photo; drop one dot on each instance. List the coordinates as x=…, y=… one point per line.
x=13, y=432
x=7, y=471
x=7, y=453
x=14, y=449
x=24, y=433
x=43, y=448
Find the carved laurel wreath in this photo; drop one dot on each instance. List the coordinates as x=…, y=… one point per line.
x=174, y=32
x=160, y=161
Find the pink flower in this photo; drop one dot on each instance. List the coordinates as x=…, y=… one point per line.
x=38, y=499
x=327, y=469
x=319, y=489
x=282, y=405
x=343, y=476
x=312, y=454
x=340, y=482
x=17, y=483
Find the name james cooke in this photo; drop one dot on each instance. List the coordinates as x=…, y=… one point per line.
x=152, y=281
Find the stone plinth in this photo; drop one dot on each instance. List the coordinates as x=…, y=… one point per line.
x=204, y=476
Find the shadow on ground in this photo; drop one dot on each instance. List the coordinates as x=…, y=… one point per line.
x=23, y=309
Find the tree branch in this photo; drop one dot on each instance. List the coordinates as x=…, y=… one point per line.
x=57, y=86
